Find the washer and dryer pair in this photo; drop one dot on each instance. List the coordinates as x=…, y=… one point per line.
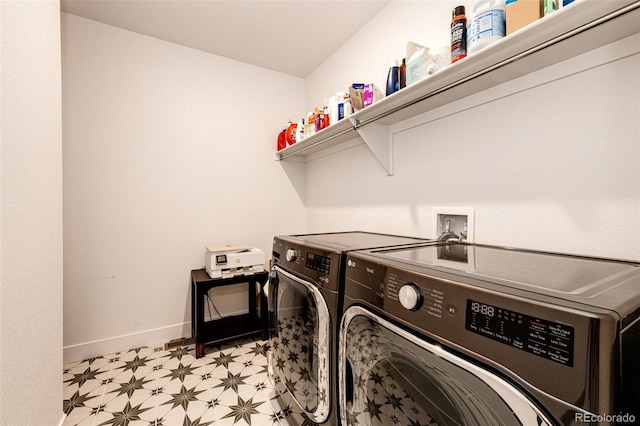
x=457, y=334
x=305, y=302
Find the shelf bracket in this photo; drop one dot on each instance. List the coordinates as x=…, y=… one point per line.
x=380, y=142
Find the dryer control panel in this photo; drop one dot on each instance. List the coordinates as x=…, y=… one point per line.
x=547, y=339
x=321, y=266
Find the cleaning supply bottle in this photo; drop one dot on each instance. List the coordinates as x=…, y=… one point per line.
x=341, y=107
x=486, y=25
x=334, y=108
x=549, y=6
x=300, y=130
x=393, y=82
x=290, y=133
x=282, y=140
x=347, y=108
x=458, y=34
x=310, y=125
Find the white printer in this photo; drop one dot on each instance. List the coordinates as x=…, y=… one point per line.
x=232, y=260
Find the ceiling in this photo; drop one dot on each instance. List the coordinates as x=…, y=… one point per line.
x=292, y=37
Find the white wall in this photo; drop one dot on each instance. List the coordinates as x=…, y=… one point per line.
x=166, y=150
x=31, y=214
x=366, y=57
x=550, y=161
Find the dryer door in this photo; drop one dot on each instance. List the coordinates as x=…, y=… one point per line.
x=389, y=376
x=300, y=342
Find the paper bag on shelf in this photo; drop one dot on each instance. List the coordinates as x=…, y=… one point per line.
x=363, y=95
x=418, y=58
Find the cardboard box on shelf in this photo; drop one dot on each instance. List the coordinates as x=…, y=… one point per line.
x=363, y=95
x=521, y=13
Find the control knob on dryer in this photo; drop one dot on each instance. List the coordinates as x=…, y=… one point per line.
x=410, y=296
x=291, y=255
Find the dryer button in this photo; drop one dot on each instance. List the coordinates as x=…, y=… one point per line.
x=291, y=255
x=410, y=296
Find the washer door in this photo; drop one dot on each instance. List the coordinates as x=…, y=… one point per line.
x=300, y=342
x=389, y=376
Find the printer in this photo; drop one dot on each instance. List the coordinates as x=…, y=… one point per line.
x=232, y=260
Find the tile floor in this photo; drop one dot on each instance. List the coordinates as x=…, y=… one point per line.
x=151, y=386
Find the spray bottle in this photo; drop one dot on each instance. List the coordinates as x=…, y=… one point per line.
x=458, y=34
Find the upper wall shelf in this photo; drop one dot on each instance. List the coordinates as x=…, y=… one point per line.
x=580, y=27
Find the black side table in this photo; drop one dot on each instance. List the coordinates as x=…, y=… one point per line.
x=232, y=327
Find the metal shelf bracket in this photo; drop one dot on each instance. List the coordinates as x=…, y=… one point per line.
x=379, y=140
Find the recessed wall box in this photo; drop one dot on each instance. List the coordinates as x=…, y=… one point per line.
x=458, y=221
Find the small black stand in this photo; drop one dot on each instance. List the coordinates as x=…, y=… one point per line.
x=227, y=328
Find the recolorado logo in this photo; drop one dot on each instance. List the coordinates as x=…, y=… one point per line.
x=620, y=418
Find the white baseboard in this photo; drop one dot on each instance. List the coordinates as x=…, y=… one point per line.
x=110, y=345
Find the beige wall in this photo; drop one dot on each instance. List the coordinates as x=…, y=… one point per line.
x=549, y=161
x=166, y=150
x=161, y=160
x=31, y=216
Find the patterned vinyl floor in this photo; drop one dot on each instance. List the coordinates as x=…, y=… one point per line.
x=153, y=387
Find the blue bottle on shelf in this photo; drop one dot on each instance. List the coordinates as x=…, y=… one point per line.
x=393, y=79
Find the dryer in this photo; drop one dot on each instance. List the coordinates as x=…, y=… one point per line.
x=458, y=334
x=305, y=299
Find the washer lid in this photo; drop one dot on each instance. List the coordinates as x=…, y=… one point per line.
x=356, y=240
x=601, y=282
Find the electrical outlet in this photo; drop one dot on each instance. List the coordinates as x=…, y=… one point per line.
x=458, y=220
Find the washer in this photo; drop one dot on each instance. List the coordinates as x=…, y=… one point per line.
x=304, y=305
x=456, y=334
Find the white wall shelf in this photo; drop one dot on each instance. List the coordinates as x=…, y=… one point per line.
x=576, y=29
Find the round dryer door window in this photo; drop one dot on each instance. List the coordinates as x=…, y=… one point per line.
x=388, y=376
x=300, y=343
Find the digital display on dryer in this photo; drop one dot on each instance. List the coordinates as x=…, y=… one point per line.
x=318, y=263
x=547, y=339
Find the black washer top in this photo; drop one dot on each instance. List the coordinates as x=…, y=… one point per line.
x=356, y=240
x=540, y=270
